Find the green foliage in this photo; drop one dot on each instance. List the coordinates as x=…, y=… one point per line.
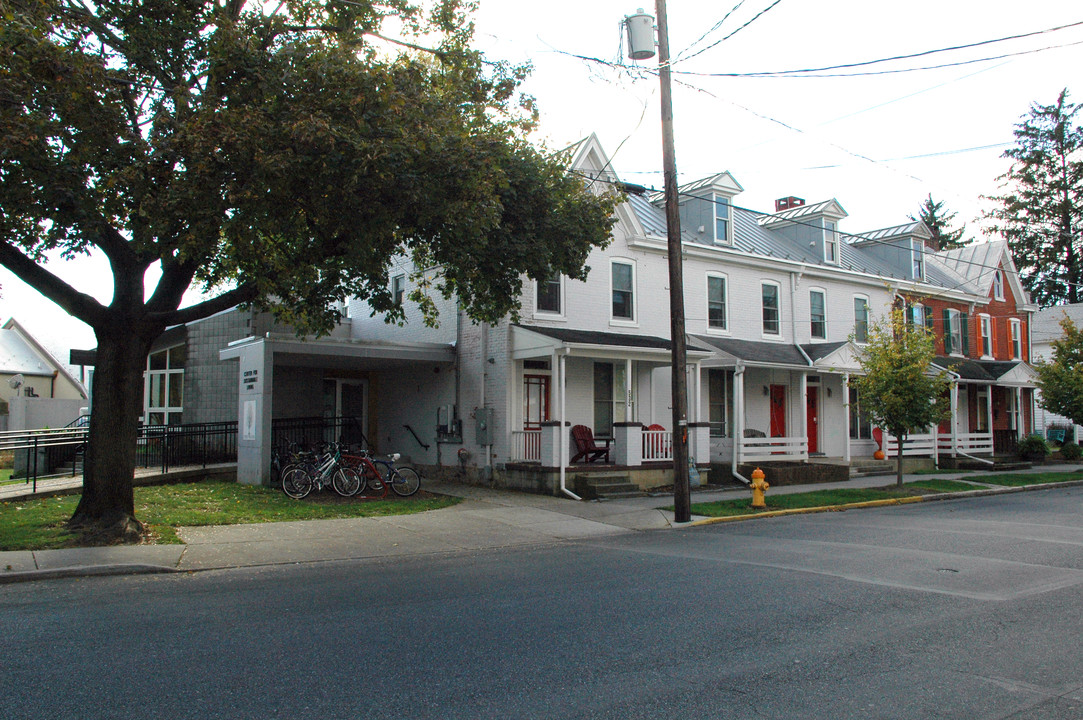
x=939, y=221
x=899, y=388
x=1041, y=212
x=1061, y=377
x=1033, y=447
x=1071, y=450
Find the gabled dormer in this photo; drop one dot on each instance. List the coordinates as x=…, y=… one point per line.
x=815, y=226
x=706, y=208
x=902, y=248
x=989, y=269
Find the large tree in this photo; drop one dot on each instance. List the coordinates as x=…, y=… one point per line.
x=900, y=389
x=1041, y=211
x=1060, y=378
x=940, y=222
x=277, y=155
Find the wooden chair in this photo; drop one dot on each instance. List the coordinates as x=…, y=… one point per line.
x=656, y=446
x=588, y=450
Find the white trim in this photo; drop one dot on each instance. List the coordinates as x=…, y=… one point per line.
x=725, y=329
x=868, y=317
x=778, y=310
x=619, y=321
x=985, y=333
x=823, y=292
x=834, y=242
x=728, y=202
x=1015, y=338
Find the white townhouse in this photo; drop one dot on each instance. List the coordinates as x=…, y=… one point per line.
x=777, y=304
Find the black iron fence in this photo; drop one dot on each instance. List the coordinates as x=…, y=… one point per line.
x=311, y=431
x=194, y=444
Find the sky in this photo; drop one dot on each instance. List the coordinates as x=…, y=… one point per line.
x=879, y=144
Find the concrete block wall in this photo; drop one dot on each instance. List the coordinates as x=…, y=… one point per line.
x=210, y=384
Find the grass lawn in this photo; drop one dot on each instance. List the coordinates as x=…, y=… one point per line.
x=39, y=523
x=823, y=498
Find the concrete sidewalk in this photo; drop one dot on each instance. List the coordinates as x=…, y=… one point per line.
x=486, y=519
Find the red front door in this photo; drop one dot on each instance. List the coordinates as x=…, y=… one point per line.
x=778, y=411
x=811, y=404
x=535, y=401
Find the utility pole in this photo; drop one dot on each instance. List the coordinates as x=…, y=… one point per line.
x=681, y=492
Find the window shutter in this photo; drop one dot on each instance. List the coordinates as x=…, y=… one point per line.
x=947, y=332
x=964, y=326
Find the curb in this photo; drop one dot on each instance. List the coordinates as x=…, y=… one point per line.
x=982, y=492
x=86, y=571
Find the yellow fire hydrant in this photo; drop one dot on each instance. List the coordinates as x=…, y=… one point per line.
x=759, y=486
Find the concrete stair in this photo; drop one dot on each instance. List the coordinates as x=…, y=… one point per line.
x=862, y=467
x=606, y=486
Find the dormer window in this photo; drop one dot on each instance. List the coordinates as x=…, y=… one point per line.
x=722, y=232
x=998, y=285
x=917, y=254
x=831, y=243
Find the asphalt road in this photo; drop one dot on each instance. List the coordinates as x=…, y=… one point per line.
x=963, y=609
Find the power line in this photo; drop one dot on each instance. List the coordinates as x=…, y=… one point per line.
x=756, y=17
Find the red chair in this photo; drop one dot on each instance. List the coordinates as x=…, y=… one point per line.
x=588, y=450
x=656, y=444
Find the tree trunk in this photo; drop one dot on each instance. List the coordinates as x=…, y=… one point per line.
x=900, y=440
x=108, y=504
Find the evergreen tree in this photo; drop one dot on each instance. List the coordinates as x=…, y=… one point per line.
x=1041, y=212
x=939, y=221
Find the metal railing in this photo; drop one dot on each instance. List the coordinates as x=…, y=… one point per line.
x=194, y=444
x=311, y=431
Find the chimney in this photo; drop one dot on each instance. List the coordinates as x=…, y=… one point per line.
x=788, y=202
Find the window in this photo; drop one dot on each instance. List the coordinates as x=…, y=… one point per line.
x=398, y=289
x=818, y=313
x=549, y=295
x=917, y=254
x=861, y=319
x=986, y=336
x=623, y=284
x=916, y=315
x=716, y=302
x=770, y=293
x=720, y=402
x=956, y=336
x=163, y=386
x=609, y=400
x=831, y=243
x=722, y=220
x=998, y=285
x=1012, y=409
x=860, y=425
x=1017, y=339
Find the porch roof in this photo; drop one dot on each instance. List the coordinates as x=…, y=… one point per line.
x=989, y=372
x=534, y=341
x=755, y=353
x=335, y=353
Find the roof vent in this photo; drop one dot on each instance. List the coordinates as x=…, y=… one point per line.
x=788, y=202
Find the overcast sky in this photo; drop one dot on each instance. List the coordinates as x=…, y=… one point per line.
x=879, y=144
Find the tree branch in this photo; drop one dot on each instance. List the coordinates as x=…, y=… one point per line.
x=75, y=303
x=225, y=301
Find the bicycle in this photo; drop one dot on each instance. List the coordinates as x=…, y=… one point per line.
x=318, y=471
x=403, y=481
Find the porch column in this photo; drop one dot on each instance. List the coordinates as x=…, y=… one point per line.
x=954, y=401
x=255, y=375
x=1020, y=417
x=989, y=414
x=699, y=443
x=628, y=443
x=846, y=417
x=552, y=447
x=697, y=412
x=802, y=408
x=629, y=415
x=739, y=414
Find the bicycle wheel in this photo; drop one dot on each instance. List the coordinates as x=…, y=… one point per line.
x=404, y=481
x=296, y=483
x=346, y=481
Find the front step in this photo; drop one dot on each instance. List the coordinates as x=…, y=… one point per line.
x=865, y=468
x=606, y=486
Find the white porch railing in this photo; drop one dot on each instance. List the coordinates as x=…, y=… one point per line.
x=969, y=443
x=757, y=449
x=657, y=445
x=526, y=445
x=916, y=445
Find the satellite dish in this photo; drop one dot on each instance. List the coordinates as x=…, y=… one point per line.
x=16, y=381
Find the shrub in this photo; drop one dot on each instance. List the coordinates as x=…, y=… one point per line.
x=1033, y=447
x=1070, y=451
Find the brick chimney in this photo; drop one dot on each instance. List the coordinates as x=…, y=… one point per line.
x=788, y=202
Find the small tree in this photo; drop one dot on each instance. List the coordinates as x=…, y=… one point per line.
x=1061, y=378
x=899, y=389
x=940, y=221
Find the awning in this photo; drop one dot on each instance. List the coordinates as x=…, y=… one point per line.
x=1011, y=373
x=542, y=342
x=751, y=353
x=335, y=353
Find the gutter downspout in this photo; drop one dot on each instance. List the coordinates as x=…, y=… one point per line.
x=563, y=434
x=739, y=420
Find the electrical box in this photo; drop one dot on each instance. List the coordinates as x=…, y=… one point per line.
x=449, y=428
x=483, y=419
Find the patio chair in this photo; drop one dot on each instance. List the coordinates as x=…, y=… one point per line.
x=587, y=450
x=658, y=446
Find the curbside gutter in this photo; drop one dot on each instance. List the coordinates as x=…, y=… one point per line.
x=86, y=571
x=981, y=492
